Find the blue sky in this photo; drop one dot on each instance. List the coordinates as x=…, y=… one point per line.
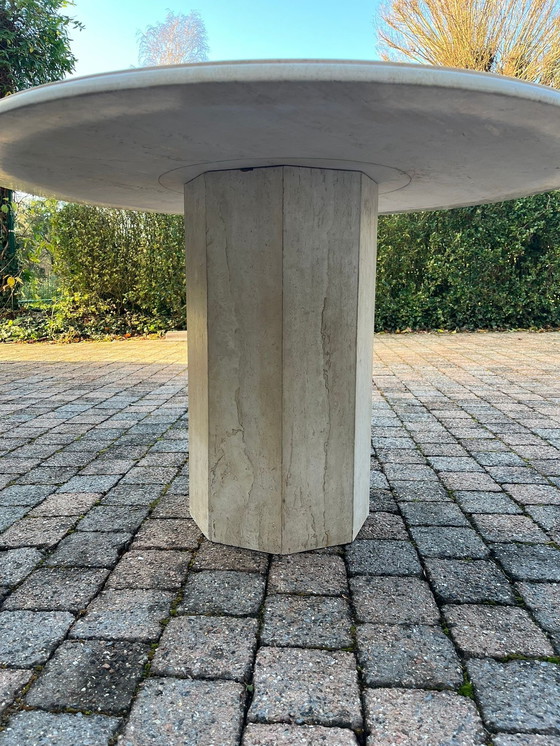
x=237, y=29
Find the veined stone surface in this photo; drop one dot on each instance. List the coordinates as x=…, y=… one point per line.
x=431, y=137
x=281, y=265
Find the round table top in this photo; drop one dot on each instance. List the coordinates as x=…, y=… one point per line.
x=430, y=137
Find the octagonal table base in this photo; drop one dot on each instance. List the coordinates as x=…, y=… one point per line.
x=280, y=304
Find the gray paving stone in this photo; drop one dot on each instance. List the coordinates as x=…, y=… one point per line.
x=70, y=458
x=16, y=564
x=525, y=562
x=433, y=514
x=91, y=675
x=89, y=549
x=29, y=637
x=309, y=573
x=124, y=615
x=170, y=446
x=399, y=456
x=382, y=558
x=377, y=480
x=57, y=589
x=306, y=687
x=486, y=502
x=498, y=459
x=32, y=450
x=66, y=503
x=544, y=601
x=392, y=429
x=516, y=475
x=456, y=480
x=526, y=739
x=518, y=696
x=207, y=647
x=440, y=436
x=451, y=463
x=507, y=528
x=168, y=533
x=37, y=532
x=534, y=494
x=257, y=734
x=538, y=452
x=113, y=518
x=477, y=444
x=382, y=501
x=547, y=516
x=164, y=569
x=48, y=475
x=383, y=526
x=449, y=542
x=93, y=445
x=410, y=473
x=180, y=485
x=394, y=443
x=495, y=631
x=223, y=592
x=425, y=491
x=94, y=483
x=107, y=466
x=312, y=621
x=132, y=494
x=421, y=718
x=550, y=468
x=380, y=600
x=165, y=459
x=408, y=656
x=443, y=449
x=64, y=729
x=213, y=556
x=506, y=397
x=172, y=506
x=8, y=516
x=11, y=682
x=466, y=581
x=193, y=713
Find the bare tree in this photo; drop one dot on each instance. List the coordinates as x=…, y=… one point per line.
x=180, y=38
x=519, y=38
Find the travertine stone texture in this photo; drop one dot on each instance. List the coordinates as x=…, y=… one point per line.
x=281, y=266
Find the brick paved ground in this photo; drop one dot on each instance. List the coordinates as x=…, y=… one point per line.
x=439, y=626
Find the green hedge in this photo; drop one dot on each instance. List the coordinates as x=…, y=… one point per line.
x=486, y=267
x=114, y=273
x=122, y=273
x=133, y=261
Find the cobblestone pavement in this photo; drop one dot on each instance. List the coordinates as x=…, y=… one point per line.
x=438, y=626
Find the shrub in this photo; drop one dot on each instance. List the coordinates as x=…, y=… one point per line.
x=490, y=266
x=131, y=260
x=122, y=273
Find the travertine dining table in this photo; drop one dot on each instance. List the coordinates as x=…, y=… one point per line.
x=281, y=168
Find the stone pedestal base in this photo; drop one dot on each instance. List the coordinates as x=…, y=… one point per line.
x=280, y=303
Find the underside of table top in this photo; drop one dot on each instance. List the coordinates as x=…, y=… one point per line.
x=429, y=137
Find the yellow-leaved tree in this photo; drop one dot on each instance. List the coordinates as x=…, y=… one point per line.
x=519, y=38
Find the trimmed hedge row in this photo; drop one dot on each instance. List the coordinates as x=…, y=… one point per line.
x=486, y=267
x=133, y=261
